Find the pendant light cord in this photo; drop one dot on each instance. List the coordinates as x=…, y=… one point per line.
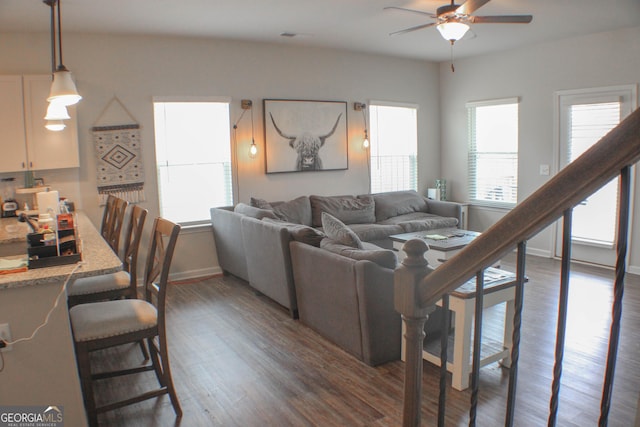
x=60, y=64
x=53, y=37
x=453, y=69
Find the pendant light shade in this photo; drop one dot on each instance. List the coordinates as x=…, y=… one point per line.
x=55, y=125
x=453, y=31
x=57, y=111
x=63, y=89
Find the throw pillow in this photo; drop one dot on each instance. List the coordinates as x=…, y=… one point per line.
x=338, y=231
x=383, y=257
x=348, y=209
x=244, y=209
x=300, y=233
x=297, y=210
x=261, y=203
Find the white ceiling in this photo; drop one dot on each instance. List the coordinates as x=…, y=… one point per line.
x=359, y=25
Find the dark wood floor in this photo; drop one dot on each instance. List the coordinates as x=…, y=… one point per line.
x=240, y=360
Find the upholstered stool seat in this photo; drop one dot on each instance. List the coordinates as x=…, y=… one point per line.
x=111, y=318
x=97, y=284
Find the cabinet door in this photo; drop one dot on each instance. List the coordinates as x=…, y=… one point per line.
x=14, y=154
x=47, y=149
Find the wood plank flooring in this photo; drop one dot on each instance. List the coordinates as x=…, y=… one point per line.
x=240, y=360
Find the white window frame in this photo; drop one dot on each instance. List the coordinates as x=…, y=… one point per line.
x=472, y=155
x=373, y=140
x=198, y=186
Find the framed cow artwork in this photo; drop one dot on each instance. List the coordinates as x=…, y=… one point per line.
x=305, y=136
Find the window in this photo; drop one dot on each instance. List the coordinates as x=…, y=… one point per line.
x=394, y=147
x=193, y=157
x=586, y=116
x=493, y=152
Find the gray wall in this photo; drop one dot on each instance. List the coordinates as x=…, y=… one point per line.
x=137, y=68
x=533, y=74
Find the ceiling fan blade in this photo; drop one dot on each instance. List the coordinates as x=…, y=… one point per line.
x=470, y=6
x=408, y=30
x=410, y=10
x=501, y=19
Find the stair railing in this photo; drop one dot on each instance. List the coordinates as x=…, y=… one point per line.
x=418, y=287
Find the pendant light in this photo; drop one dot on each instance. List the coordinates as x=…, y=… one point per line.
x=63, y=89
x=56, y=112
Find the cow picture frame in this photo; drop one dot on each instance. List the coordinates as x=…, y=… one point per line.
x=305, y=136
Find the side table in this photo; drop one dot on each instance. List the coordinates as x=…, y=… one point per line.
x=499, y=287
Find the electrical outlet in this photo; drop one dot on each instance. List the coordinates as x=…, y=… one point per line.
x=5, y=335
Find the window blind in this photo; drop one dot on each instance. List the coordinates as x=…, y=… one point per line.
x=493, y=151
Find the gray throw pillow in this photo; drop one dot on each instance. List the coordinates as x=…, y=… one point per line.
x=336, y=230
x=297, y=210
x=383, y=257
x=348, y=209
x=300, y=233
x=261, y=203
x=244, y=209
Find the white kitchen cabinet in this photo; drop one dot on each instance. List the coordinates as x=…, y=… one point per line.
x=34, y=147
x=12, y=141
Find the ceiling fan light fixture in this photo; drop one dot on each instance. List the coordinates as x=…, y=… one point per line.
x=452, y=31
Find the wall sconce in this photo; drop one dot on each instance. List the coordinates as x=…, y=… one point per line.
x=247, y=104
x=358, y=106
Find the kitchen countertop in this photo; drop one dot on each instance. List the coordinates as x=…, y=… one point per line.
x=97, y=256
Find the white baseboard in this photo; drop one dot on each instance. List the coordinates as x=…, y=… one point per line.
x=544, y=253
x=194, y=274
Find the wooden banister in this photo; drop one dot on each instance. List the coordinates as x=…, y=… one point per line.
x=577, y=181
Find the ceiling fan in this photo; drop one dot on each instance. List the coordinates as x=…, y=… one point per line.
x=452, y=20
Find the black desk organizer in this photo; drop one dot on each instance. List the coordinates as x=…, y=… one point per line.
x=62, y=250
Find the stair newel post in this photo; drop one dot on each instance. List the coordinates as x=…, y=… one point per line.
x=407, y=279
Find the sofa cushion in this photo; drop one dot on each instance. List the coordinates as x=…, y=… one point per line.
x=375, y=232
x=429, y=224
x=244, y=209
x=297, y=211
x=348, y=209
x=369, y=252
x=300, y=232
x=394, y=203
x=338, y=231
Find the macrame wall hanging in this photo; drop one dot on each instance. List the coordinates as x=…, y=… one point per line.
x=120, y=171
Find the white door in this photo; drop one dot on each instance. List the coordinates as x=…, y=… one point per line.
x=584, y=118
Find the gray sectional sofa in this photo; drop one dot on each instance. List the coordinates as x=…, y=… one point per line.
x=339, y=278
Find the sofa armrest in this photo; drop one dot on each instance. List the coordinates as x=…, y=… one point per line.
x=446, y=209
x=269, y=261
x=228, y=239
x=348, y=302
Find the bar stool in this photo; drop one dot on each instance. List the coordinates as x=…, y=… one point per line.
x=115, y=223
x=122, y=284
x=101, y=325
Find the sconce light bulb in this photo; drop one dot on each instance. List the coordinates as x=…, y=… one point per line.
x=253, y=150
x=365, y=143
